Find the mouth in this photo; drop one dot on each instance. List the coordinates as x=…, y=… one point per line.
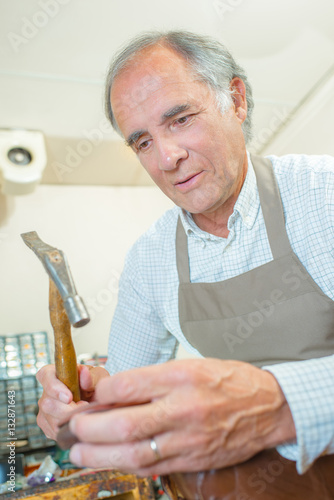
x=188, y=181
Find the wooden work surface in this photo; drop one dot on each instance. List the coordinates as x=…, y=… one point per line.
x=90, y=487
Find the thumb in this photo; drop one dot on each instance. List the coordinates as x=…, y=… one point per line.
x=88, y=378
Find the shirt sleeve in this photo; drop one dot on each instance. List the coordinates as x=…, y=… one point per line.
x=309, y=390
x=137, y=335
x=329, y=205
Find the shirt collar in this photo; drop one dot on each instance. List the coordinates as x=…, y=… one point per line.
x=248, y=202
x=191, y=227
x=246, y=206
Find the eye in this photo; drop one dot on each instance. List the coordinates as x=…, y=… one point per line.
x=182, y=120
x=141, y=146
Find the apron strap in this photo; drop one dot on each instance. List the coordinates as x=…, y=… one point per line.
x=182, y=258
x=272, y=209
x=271, y=205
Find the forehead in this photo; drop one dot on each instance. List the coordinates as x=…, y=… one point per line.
x=157, y=75
x=151, y=68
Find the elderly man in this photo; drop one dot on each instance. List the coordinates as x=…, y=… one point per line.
x=241, y=271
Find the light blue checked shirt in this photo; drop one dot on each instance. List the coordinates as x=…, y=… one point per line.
x=147, y=307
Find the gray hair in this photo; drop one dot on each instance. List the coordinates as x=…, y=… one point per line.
x=207, y=58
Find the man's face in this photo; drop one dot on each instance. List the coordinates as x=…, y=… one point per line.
x=193, y=153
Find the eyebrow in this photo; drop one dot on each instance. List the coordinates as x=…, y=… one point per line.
x=170, y=113
x=180, y=108
x=134, y=137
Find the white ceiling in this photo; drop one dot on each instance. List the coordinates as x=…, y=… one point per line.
x=54, y=55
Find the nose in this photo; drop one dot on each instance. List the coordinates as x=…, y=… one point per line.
x=170, y=154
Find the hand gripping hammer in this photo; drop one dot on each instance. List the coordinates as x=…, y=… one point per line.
x=66, y=308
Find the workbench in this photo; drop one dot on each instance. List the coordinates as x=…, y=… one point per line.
x=91, y=486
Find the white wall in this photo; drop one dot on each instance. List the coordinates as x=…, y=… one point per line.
x=94, y=226
x=52, y=77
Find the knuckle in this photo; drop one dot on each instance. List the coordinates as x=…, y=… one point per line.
x=127, y=430
x=125, y=387
x=135, y=455
x=45, y=405
x=44, y=372
x=188, y=373
x=116, y=459
x=146, y=427
x=197, y=412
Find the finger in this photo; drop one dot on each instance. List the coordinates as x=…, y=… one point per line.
x=46, y=426
x=86, y=382
x=56, y=410
x=144, y=384
x=88, y=378
x=125, y=424
x=127, y=457
x=175, y=464
x=52, y=386
x=135, y=458
x=180, y=452
x=52, y=413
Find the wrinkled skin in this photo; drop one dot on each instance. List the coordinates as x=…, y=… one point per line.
x=203, y=414
x=195, y=154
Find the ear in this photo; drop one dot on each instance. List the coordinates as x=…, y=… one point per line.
x=238, y=89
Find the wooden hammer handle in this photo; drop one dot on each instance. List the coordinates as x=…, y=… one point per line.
x=65, y=357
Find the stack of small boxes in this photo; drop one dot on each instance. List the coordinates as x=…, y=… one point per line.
x=21, y=356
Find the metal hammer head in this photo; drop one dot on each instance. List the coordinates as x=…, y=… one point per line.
x=55, y=264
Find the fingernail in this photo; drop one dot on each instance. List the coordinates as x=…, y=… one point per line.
x=75, y=455
x=64, y=398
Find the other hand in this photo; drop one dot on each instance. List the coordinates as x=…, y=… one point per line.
x=202, y=414
x=57, y=402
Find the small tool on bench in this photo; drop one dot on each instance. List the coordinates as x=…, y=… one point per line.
x=66, y=308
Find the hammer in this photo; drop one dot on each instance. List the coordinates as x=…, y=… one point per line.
x=66, y=308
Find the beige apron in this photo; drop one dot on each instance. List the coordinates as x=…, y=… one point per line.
x=271, y=314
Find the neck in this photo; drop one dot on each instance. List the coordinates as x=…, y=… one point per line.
x=215, y=221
